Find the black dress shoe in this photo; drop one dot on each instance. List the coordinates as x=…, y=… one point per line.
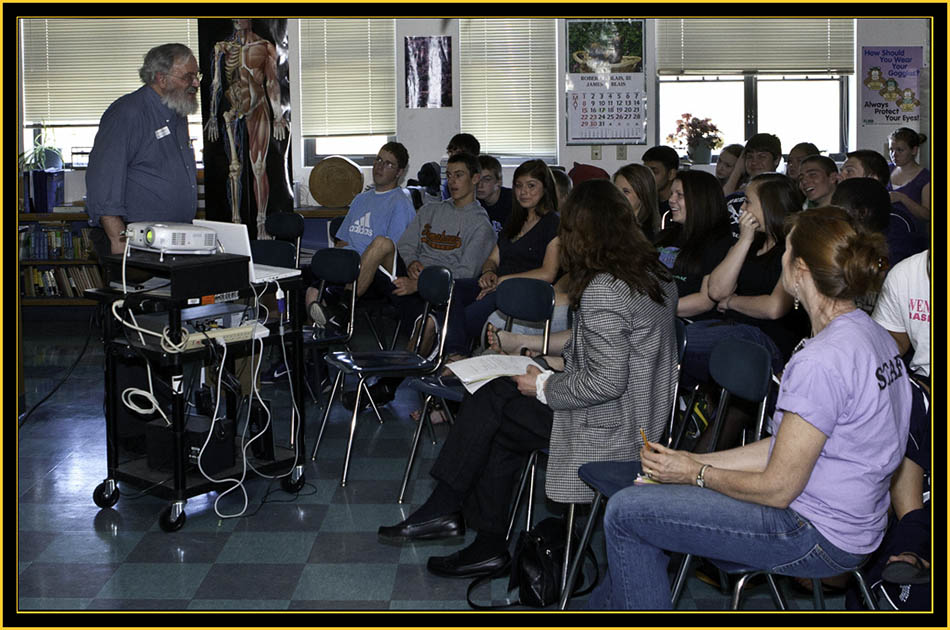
x=381, y=393
x=454, y=566
x=440, y=527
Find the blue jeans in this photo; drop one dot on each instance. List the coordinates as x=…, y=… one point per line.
x=702, y=337
x=640, y=522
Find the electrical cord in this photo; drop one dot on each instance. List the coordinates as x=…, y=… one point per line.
x=69, y=372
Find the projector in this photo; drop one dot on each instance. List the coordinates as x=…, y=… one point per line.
x=171, y=238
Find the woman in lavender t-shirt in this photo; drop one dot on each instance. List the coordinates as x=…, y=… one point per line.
x=812, y=499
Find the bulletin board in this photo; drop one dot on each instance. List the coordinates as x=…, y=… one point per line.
x=605, y=84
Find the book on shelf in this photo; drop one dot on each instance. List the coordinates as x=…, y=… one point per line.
x=68, y=209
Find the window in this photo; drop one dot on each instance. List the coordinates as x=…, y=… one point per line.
x=348, y=86
x=73, y=69
x=790, y=76
x=508, y=81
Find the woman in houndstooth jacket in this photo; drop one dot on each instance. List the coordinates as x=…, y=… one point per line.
x=617, y=377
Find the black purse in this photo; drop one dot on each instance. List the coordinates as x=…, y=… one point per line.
x=535, y=569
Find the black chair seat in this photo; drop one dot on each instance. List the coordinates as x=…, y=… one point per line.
x=444, y=387
x=366, y=364
x=609, y=478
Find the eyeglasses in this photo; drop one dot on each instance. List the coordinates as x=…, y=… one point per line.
x=385, y=163
x=188, y=78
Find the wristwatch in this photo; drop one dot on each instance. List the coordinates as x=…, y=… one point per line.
x=700, y=479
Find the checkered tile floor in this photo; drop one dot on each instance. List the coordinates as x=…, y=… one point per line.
x=316, y=550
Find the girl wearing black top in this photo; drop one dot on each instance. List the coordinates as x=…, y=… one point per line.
x=528, y=247
x=747, y=283
x=696, y=241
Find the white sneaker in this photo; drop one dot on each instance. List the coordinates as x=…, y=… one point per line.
x=317, y=315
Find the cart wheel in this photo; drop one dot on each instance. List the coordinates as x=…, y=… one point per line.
x=103, y=500
x=293, y=487
x=168, y=525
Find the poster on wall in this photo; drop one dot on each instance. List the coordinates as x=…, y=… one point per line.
x=428, y=72
x=245, y=109
x=890, y=84
x=605, y=85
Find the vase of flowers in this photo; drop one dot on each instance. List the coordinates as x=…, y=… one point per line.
x=699, y=135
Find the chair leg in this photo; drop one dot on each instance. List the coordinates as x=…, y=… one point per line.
x=414, y=448
x=737, y=590
x=521, y=487
x=577, y=562
x=349, y=443
x=777, y=596
x=372, y=403
x=817, y=593
x=337, y=382
x=567, y=546
x=372, y=327
x=530, y=508
x=680, y=579
x=865, y=592
x=392, y=344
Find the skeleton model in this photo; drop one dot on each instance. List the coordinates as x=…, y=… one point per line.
x=250, y=71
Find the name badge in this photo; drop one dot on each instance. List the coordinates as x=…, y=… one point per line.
x=161, y=133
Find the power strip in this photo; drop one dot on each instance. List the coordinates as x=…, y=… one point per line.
x=228, y=335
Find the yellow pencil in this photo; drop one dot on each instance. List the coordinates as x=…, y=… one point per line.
x=644, y=436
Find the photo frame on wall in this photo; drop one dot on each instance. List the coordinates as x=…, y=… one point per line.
x=605, y=85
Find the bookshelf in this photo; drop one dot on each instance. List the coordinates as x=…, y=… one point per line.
x=56, y=260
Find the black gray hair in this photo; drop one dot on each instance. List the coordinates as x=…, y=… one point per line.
x=161, y=59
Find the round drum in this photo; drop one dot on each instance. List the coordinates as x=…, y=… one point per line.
x=335, y=180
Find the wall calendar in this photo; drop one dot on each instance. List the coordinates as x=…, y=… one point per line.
x=606, y=85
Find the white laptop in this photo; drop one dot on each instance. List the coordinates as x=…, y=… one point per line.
x=233, y=239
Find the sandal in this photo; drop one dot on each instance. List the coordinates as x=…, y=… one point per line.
x=492, y=348
x=904, y=572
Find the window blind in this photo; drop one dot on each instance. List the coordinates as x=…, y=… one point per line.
x=508, y=82
x=763, y=46
x=348, y=77
x=74, y=68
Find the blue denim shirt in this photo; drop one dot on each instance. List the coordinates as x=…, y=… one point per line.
x=142, y=165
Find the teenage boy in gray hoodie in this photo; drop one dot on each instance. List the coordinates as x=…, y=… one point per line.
x=455, y=233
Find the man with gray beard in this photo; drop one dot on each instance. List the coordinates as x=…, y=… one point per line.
x=142, y=165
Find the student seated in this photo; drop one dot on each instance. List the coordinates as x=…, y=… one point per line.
x=817, y=179
x=696, y=240
x=812, y=498
x=638, y=185
x=460, y=143
x=494, y=197
x=664, y=163
x=593, y=407
x=563, y=184
x=727, y=160
x=762, y=154
x=910, y=182
x=903, y=560
x=455, y=234
x=375, y=220
x=527, y=247
x=798, y=153
x=747, y=285
x=867, y=200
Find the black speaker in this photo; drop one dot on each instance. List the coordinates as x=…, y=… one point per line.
x=218, y=454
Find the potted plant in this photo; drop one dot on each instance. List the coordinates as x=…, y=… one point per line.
x=699, y=135
x=43, y=175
